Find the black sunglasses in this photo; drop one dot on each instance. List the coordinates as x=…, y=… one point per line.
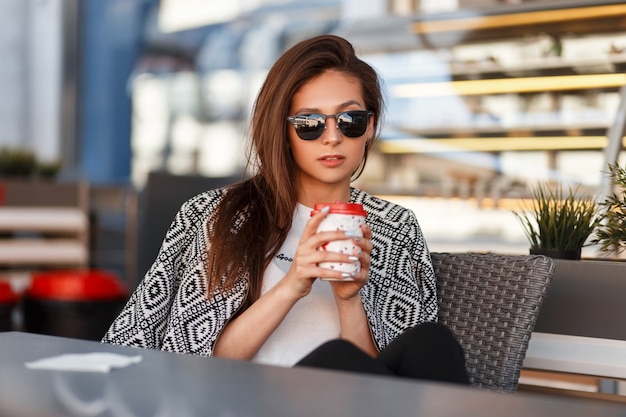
x=352, y=123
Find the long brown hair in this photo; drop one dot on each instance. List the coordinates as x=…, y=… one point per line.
x=251, y=223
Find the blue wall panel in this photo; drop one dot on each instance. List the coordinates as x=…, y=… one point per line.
x=111, y=45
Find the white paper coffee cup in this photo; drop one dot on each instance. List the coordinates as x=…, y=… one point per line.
x=347, y=217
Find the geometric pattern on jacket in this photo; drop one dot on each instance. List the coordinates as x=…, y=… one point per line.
x=169, y=309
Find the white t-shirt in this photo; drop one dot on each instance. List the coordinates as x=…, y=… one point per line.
x=312, y=321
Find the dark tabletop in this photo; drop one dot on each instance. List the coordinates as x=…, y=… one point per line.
x=168, y=384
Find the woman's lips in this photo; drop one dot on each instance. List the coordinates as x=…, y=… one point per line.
x=332, y=160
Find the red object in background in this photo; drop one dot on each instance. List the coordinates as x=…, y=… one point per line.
x=76, y=285
x=7, y=295
x=9, y=299
x=3, y=195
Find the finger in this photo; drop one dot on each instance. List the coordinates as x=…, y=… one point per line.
x=367, y=231
x=336, y=275
x=367, y=239
x=336, y=262
x=322, y=238
x=366, y=261
x=305, y=259
x=311, y=226
x=362, y=245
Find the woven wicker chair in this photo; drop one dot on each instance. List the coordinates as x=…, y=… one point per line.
x=491, y=303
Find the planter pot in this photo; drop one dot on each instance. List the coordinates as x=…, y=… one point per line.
x=585, y=298
x=79, y=304
x=573, y=254
x=87, y=320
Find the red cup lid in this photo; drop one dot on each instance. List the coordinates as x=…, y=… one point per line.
x=7, y=295
x=76, y=285
x=354, y=209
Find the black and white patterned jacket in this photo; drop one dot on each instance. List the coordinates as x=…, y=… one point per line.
x=169, y=309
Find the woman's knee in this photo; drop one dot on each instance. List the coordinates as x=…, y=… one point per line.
x=429, y=331
x=342, y=355
x=332, y=350
x=428, y=350
x=335, y=346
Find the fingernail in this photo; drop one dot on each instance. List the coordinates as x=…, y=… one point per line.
x=325, y=209
x=354, y=258
x=349, y=233
x=346, y=274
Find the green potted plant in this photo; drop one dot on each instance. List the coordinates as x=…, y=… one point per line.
x=17, y=162
x=558, y=224
x=47, y=169
x=23, y=163
x=611, y=233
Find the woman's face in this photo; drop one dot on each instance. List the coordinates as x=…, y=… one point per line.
x=328, y=162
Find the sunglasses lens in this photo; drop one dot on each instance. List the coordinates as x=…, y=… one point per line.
x=353, y=123
x=308, y=126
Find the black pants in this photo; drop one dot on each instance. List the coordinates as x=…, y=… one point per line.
x=426, y=351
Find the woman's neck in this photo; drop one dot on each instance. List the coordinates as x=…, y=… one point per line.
x=311, y=197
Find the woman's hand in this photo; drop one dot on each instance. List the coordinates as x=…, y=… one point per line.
x=304, y=268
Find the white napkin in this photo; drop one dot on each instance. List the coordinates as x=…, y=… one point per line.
x=84, y=362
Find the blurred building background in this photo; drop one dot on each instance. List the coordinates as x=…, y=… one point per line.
x=485, y=98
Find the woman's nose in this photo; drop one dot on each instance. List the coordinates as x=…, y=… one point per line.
x=332, y=134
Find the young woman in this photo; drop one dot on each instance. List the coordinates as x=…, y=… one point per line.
x=238, y=276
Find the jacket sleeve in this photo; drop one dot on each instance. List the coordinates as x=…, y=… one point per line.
x=425, y=276
x=142, y=322
x=402, y=289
